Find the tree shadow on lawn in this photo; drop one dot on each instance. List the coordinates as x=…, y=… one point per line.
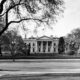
x=41, y=77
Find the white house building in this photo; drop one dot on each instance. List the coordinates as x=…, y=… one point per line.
x=43, y=44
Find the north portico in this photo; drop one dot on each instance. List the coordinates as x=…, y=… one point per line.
x=43, y=44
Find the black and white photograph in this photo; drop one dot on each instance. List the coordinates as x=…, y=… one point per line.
x=39, y=39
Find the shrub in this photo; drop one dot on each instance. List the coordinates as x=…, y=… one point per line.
x=71, y=52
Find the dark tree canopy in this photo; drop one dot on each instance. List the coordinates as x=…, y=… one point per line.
x=61, y=45
x=39, y=11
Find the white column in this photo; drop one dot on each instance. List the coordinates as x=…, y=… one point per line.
x=52, y=47
x=36, y=47
x=47, y=47
x=41, y=46
x=31, y=48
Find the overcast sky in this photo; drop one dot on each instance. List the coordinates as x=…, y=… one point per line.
x=70, y=20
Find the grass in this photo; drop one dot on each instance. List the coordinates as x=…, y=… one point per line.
x=39, y=77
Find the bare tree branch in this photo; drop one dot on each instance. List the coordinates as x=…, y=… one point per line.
x=24, y=20
x=11, y=8
x=1, y=5
x=51, y=8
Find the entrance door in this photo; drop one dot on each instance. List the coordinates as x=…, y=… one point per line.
x=44, y=46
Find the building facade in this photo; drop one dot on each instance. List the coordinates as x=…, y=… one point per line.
x=43, y=44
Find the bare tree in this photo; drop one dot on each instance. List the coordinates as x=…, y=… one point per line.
x=40, y=11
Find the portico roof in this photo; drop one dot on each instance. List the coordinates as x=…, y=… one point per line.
x=43, y=38
x=46, y=38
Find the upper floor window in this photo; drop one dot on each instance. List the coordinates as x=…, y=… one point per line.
x=54, y=49
x=54, y=44
x=33, y=44
x=49, y=49
x=49, y=43
x=39, y=43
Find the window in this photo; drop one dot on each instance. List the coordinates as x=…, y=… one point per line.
x=39, y=43
x=54, y=44
x=33, y=50
x=33, y=44
x=49, y=49
x=54, y=49
x=39, y=49
x=49, y=46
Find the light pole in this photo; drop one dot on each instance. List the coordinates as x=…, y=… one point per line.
x=13, y=50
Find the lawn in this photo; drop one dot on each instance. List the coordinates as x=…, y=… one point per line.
x=40, y=77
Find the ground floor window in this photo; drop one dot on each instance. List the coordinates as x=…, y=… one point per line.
x=54, y=49
x=39, y=49
x=33, y=49
x=49, y=49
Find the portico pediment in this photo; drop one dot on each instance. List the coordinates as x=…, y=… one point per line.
x=44, y=38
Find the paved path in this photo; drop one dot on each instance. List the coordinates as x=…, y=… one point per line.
x=39, y=66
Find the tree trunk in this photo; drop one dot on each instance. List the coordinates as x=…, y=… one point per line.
x=0, y=51
x=12, y=54
x=13, y=57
